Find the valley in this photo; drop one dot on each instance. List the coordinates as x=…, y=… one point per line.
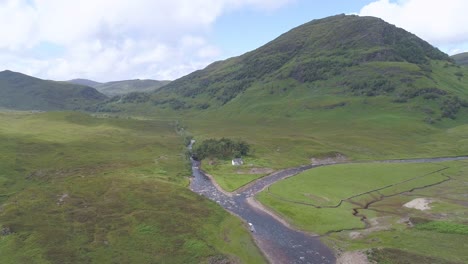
x=357, y=138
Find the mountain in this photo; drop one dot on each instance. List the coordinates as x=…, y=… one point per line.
x=85, y=82
x=128, y=86
x=23, y=92
x=461, y=59
x=344, y=57
x=341, y=55
x=318, y=50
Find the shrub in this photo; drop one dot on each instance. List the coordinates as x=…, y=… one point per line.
x=443, y=227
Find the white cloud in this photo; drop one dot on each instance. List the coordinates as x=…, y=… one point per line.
x=113, y=39
x=18, y=27
x=442, y=23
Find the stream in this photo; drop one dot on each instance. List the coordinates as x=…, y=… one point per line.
x=279, y=243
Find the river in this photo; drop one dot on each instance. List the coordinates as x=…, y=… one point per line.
x=279, y=243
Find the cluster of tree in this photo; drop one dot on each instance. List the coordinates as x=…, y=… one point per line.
x=232, y=89
x=319, y=69
x=410, y=48
x=134, y=97
x=427, y=93
x=451, y=105
x=174, y=103
x=374, y=87
x=223, y=148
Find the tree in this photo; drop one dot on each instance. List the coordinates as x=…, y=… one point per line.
x=223, y=148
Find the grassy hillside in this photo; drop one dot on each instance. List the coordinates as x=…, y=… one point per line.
x=128, y=86
x=461, y=59
x=342, y=57
x=337, y=50
x=79, y=189
x=23, y=92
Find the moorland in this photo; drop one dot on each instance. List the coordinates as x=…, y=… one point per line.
x=110, y=182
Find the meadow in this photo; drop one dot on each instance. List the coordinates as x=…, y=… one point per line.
x=81, y=189
x=231, y=178
x=311, y=202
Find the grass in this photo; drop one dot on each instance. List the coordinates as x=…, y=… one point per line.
x=438, y=239
x=375, y=129
x=313, y=220
x=444, y=227
x=327, y=186
x=78, y=189
x=231, y=178
x=396, y=256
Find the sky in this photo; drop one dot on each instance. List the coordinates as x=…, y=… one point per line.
x=109, y=40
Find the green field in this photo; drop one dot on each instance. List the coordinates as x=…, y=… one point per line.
x=311, y=201
x=327, y=186
x=80, y=189
x=231, y=177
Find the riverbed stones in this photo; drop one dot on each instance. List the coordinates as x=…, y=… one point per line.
x=5, y=231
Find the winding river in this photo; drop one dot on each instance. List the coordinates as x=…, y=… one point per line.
x=279, y=243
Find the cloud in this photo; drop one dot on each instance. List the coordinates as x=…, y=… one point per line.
x=113, y=39
x=18, y=28
x=442, y=23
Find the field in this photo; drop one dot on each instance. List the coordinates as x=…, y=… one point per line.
x=312, y=202
x=365, y=129
x=81, y=189
x=231, y=178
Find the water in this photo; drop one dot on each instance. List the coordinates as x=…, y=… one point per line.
x=280, y=243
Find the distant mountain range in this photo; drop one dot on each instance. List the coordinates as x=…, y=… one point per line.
x=23, y=92
x=340, y=59
x=85, y=82
x=461, y=59
x=122, y=87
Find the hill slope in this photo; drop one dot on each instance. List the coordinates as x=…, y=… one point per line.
x=128, y=86
x=461, y=59
x=341, y=55
x=23, y=92
x=82, y=189
x=85, y=82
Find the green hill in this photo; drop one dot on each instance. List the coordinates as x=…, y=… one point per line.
x=350, y=56
x=23, y=92
x=128, y=86
x=461, y=59
x=85, y=82
x=348, y=84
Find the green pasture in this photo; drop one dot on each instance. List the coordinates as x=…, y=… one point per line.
x=80, y=189
x=438, y=236
x=231, y=177
x=328, y=185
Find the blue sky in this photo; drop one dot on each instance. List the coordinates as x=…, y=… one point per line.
x=243, y=30
x=106, y=40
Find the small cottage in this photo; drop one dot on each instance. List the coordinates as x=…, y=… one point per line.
x=237, y=162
